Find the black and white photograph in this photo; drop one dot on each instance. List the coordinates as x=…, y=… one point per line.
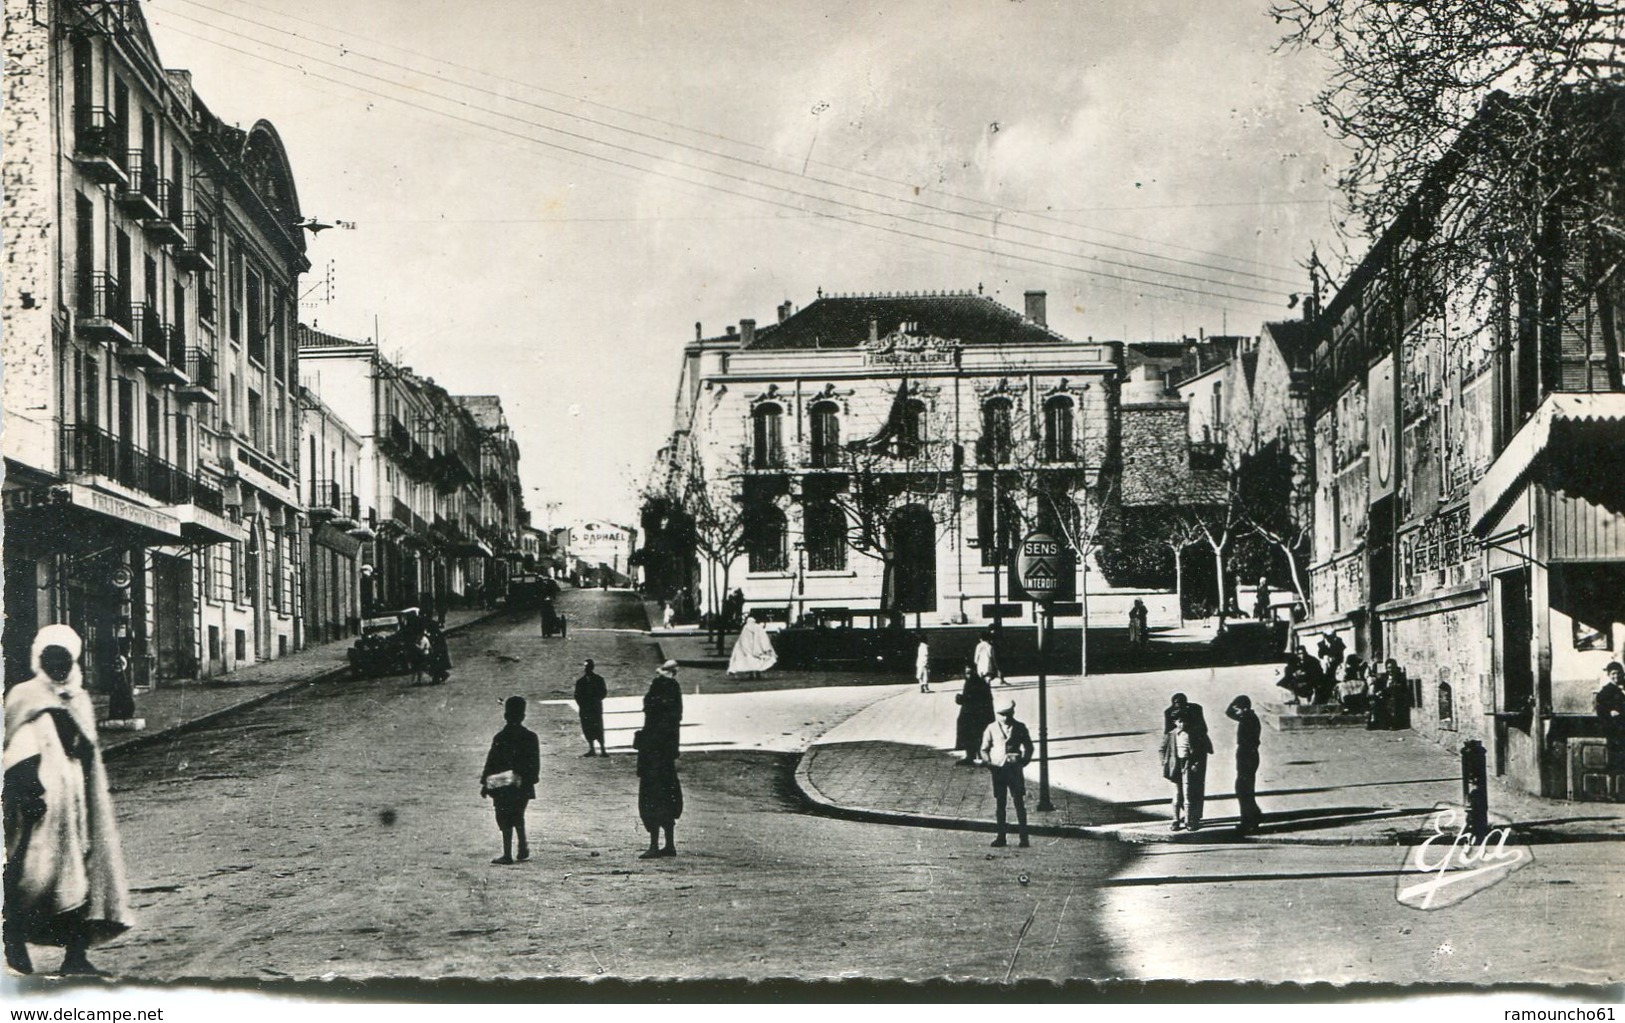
x=944, y=500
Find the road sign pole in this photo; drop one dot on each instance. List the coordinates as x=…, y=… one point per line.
x=1044, y=805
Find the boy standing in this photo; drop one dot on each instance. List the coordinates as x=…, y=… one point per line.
x=512, y=768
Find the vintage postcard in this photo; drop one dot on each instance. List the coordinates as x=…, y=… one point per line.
x=982, y=495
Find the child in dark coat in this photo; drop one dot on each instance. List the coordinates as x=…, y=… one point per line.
x=512, y=768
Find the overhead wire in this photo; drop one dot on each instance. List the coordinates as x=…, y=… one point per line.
x=995, y=221
x=990, y=242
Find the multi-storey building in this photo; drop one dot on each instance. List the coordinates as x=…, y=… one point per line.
x=1469, y=515
x=419, y=481
x=879, y=450
x=153, y=254
x=497, y=519
x=330, y=472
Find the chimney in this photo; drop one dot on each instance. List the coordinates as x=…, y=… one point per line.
x=747, y=332
x=1035, y=308
x=732, y=330
x=874, y=330
x=699, y=334
x=784, y=311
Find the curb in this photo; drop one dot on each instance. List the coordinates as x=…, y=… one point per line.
x=145, y=739
x=821, y=804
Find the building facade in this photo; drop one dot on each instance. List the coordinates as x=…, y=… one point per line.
x=437, y=479
x=154, y=253
x=882, y=451
x=330, y=473
x=600, y=553
x=1470, y=520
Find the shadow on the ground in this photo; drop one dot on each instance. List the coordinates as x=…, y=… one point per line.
x=895, y=777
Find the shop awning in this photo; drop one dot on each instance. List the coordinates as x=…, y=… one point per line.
x=66, y=516
x=1565, y=443
x=199, y=525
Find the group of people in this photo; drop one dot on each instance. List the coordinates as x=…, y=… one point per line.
x=431, y=655
x=1334, y=678
x=1186, y=746
x=513, y=762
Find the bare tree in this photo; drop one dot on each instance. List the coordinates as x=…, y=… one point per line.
x=1486, y=119
x=878, y=485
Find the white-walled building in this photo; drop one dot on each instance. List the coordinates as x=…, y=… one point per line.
x=888, y=444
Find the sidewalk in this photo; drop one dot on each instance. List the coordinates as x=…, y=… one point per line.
x=177, y=705
x=892, y=762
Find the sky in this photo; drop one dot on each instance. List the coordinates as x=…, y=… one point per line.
x=547, y=196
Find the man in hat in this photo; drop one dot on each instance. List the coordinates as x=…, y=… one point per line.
x=1007, y=747
x=1248, y=733
x=590, y=693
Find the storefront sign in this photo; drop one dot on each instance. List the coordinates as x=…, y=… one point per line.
x=124, y=510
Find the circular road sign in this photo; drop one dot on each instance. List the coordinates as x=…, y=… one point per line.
x=1040, y=564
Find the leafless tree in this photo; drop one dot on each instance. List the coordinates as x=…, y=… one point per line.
x=1485, y=121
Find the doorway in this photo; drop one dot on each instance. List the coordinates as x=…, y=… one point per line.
x=912, y=534
x=172, y=578
x=1514, y=657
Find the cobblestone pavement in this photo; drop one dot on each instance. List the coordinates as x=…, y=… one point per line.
x=1325, y=786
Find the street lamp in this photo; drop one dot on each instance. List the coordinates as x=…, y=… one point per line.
x=801, y=578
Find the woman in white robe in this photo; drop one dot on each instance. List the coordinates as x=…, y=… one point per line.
x=753, y=651
x=64, y=875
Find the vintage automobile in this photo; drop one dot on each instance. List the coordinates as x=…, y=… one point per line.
x=839, y=637
x=385, y=646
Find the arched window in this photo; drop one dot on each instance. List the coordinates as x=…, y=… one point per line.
x=825, y=435
x=996, y=435
x=912, y=434
x=767, y=449
x=825, y=526
x=765, y=529
x=1058, y=430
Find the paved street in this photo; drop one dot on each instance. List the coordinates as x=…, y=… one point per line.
x=337, y=830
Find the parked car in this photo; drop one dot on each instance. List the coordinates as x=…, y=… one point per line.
x=831, y=637
x=385, y=646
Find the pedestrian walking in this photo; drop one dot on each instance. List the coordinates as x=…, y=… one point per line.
x=660, y=790
x=1262, y=599
x=64, y=871
x=1248, y=735
x=922, y=664
x=1007, y=748
x=1194, y=786
x=975, y=714
x=590, y=693
x=512, y=767
x=1138, y=616
x=987, y=660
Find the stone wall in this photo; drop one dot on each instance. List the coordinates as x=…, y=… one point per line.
x=28, y=217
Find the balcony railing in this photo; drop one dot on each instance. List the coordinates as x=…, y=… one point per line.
x=147, y=347
x=200, y=366
x=94, y=451
x=399, y=512
x=98, y=144
x=104, y=307
x=197, y=252
x=208, y=497
x=205, y=301
x=174, y=351
x=140, y=195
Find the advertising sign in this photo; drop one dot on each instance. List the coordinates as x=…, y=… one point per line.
x=1381, y=444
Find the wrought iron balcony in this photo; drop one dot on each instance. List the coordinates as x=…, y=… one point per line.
x=104, y=309
x=197, y=251
x=148, y=347
x=93, y=451
x=201, y=373
x=205, y=301
x=174, y=368
x=98, y=145
x=139, y=194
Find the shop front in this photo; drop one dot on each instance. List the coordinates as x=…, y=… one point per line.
x=1550, y=515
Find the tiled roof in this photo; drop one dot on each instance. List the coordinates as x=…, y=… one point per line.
x=842, y=321
x=310, y=337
